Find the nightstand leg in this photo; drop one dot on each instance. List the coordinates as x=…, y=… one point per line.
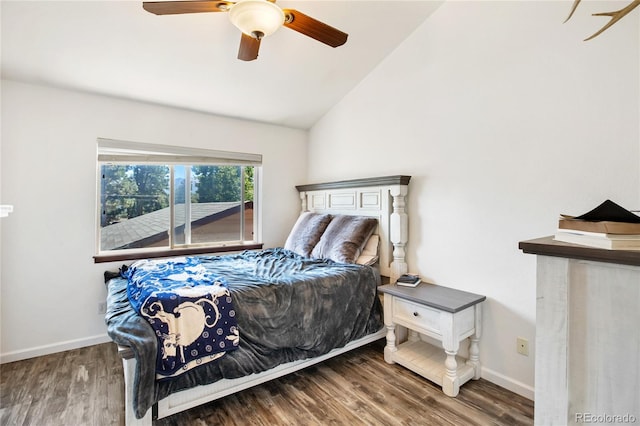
x=451, y=344
x=474, y=347
x=450, y=382
x=474, y=356
x=390, y=348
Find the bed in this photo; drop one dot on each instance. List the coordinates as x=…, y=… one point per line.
x=313, y=279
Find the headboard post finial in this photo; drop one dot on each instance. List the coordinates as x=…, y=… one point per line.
x=399, y=224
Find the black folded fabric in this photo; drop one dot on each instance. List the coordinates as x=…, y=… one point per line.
x=611, y=212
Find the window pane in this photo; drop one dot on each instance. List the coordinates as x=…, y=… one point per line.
x=216, y=204
x=134, y=206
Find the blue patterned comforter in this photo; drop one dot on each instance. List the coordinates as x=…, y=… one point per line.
x=189, y=308
x=287, y=307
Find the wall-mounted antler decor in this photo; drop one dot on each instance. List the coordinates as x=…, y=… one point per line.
x=615, y=16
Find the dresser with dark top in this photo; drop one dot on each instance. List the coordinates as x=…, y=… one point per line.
x=587, y=341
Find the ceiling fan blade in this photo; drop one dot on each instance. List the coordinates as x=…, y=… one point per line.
x=249, y=47
x=178, y=7
x=313, y=28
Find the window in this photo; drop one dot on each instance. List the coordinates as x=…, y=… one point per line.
x=156, y=200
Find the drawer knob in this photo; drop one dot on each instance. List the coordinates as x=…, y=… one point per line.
x=415, y=314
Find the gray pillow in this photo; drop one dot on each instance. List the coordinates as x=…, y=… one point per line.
x=306, y=233
x=344, y=238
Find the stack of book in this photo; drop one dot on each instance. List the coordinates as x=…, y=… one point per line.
x=608, y=226
x=408, y=280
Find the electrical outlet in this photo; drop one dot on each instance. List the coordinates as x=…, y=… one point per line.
x=522, y=346
x=102, y=308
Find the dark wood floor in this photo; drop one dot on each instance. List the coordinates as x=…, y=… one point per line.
x=85, y=387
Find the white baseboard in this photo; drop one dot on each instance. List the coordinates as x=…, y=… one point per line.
x=508, y=383
x=53, y=348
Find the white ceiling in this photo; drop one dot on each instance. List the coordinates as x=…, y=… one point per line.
x=189, y=61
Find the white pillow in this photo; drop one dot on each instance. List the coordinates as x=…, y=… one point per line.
x=369, y=255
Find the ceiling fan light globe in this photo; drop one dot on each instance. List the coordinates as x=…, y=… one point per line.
x=255, y=17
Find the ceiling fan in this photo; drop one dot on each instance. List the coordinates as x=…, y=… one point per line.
x=256, y=19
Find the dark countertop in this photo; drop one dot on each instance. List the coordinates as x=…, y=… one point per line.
x=547, y=246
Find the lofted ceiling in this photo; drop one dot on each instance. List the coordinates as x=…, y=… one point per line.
x=116, y=48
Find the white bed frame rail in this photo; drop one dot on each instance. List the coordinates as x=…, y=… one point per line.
x=380, y=197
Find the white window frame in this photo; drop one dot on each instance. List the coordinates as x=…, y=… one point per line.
x=111, y=151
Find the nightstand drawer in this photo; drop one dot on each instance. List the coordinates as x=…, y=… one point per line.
x=417, y=316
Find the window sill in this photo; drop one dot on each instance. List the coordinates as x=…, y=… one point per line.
x=116, y=257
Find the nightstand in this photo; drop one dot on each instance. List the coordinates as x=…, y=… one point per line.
x=445, y=314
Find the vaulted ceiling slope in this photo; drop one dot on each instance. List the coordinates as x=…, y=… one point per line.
x=189, y=61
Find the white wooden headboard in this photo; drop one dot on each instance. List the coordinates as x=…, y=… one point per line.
x=381, y=197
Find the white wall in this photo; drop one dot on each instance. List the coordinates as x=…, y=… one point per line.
x=505, y=118
x=50, y=285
